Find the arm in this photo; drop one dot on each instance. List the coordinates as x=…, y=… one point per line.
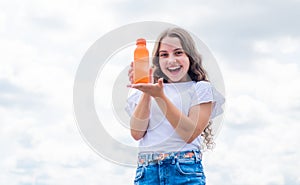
x=140, y=118
x=188, y=127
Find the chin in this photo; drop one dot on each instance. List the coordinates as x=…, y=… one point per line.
x=174, y=80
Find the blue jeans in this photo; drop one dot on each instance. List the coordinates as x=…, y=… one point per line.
x=174, y=170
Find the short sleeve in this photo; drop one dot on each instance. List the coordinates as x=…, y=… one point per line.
x=204, y=93
x=132, y=101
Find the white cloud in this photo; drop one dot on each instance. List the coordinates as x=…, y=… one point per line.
x=284, y=45
x=267, y=89
x=258, y=143
x=263, y=155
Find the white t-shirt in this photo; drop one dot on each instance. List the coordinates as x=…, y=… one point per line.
x=161, y=136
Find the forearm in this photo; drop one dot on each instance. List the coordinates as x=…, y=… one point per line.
x=188, y=128
x=140, y=118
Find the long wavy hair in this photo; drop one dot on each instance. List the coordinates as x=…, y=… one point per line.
x=196, y=71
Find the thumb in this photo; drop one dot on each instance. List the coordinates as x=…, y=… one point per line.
x=160, y=82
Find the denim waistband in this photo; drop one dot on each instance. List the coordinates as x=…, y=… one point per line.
x=145, y=158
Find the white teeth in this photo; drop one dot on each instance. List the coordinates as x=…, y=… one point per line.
x=173, y=68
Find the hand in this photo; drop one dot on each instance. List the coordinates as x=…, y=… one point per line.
x=130, y=73
x=154, y=90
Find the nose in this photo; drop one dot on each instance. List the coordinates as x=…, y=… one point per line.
x=171, y=59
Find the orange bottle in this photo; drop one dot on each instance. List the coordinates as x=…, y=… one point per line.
x=141, y=62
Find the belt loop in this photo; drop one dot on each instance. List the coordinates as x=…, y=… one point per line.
x=173, y=157
x=200, y=155
x=146, y=160
x=196, y=156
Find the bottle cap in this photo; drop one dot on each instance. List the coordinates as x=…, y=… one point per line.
x=141, y=41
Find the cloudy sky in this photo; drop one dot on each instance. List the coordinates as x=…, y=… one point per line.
x=256, y=44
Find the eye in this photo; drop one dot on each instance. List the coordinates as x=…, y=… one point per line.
x=163, y=55
x=178, y=53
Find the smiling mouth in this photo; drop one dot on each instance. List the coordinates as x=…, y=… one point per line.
x=174, y=69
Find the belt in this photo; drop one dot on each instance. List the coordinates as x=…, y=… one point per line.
x=155, y=157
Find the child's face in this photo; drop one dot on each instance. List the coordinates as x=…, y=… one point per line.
x=173, y=61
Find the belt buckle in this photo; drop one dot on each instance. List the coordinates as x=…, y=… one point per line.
x=141, y=161
x=162, y=156
x=188, y=155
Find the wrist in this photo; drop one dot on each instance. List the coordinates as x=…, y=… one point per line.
x=146, y=97
x=160, y=97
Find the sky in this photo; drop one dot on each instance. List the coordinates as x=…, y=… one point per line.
x=255, y=42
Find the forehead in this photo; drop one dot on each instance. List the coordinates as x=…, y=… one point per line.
x=170, y=43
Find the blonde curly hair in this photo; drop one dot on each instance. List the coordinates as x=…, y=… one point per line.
x=208, y=137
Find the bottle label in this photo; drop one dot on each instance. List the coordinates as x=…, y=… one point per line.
x=141, y=71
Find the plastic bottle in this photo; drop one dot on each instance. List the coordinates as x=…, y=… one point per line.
x=141, y=62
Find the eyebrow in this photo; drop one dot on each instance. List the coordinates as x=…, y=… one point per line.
x=173, y=50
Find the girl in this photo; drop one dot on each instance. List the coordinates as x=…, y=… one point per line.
x=171, y=117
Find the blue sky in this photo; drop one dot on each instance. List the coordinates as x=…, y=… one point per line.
x=256, y=44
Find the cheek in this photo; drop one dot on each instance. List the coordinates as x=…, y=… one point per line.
x=162, y=68
x=162, y=65
x=188, y=65
x=186, y=62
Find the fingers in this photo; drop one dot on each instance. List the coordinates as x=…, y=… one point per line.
x=130, y=73
x=130, y=70
x=150, y=75
x=142, y=86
